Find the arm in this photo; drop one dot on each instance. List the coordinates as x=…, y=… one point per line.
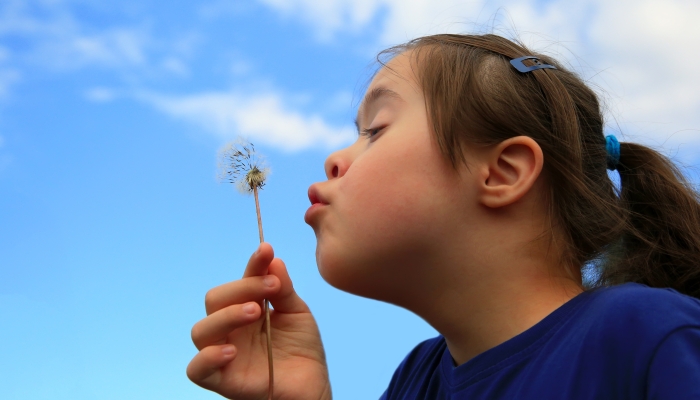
x=674, y=372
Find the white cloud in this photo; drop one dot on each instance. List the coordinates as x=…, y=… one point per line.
x=263, y=118
x=100, y=94
x=176, y=66
x=54, y=38
x=403, y=20
x=328, y=16
x=407, y=20
x=218, y=8
x=5, y=159
x=240, y=67
x=8, y=77
x=57, y=33
x=4, y=54
x=645, y=50
x=119, y=46
x=114, y=48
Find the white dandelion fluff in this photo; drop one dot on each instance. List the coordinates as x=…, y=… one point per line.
x=242, y=166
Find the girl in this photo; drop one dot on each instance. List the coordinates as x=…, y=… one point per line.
x=474, y=196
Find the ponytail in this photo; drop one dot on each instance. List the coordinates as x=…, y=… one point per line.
x=660, y=245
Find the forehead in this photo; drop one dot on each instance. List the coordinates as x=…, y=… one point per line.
x=396, y=79
x=398, y=72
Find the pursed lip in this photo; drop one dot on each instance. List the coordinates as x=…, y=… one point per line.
x=317, y=203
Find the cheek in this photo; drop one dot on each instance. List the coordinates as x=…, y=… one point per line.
x=381, y=205
x=383, y=226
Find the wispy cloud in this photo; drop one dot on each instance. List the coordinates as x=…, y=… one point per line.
x=115, y=48
x=328, y=17
x=55, y=39
x=59, y=41
x=49, y=35
x=8, y=77
x=641, y=53
x=5, y=159
x=100, y=94
x=4, y=54
x=402, y=20
x=218, y=8
x=264, y=118
x=176, y=66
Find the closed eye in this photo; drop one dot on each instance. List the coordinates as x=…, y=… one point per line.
x=371, y=132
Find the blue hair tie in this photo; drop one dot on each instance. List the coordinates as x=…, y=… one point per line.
x=612, y=147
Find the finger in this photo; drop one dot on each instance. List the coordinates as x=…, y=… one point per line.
x=205, y=368
x=254, y=288
x=216, y=326
x=285, y=299
x=259, y=261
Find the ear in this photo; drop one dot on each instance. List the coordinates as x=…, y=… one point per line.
x=510, y=170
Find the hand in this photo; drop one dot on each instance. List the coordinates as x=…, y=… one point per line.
x=232, y=358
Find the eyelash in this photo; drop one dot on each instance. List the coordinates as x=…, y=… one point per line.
x=370, y=132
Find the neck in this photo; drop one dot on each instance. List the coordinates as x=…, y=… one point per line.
x=492, y=320
x=504, y=290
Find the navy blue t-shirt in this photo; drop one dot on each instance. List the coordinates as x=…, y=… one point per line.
x=624, y=342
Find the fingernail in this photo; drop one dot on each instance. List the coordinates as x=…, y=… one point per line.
x=257, y=251
x=249, y=308
x=228, y=350
x=269, y=280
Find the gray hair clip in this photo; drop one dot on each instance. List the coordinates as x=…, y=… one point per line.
x=518, y=64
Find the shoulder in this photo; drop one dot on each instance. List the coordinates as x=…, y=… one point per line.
x=634, y=305
x=626, y=324
x=675, y=366
x=425, y=354
x=420, y=366
x=620, y=340
x=427, y=348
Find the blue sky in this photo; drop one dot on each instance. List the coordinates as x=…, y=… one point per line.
x=113, y=225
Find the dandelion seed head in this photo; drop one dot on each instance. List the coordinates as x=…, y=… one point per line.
x=240, y=165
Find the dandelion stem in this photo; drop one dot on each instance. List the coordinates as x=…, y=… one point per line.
x=241, y=165
x=257, y=211
x=269, y=350
x=267, y=305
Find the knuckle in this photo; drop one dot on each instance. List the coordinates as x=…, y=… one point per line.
x=233, y=314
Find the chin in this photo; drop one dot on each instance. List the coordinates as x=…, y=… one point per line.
x=332, y=269
x=354, y=276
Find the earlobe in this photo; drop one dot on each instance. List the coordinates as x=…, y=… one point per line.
x=511, y=169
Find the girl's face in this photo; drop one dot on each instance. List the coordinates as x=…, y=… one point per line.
x=391, y=200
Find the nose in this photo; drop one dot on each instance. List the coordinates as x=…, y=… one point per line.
x=337, y=163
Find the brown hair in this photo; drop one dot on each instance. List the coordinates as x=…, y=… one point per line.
x=647, y=232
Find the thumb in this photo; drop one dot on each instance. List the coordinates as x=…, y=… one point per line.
x=286, y=299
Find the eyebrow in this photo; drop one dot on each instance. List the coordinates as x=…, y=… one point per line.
x=371, y=97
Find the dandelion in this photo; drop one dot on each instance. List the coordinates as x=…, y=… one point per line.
x=240, y=165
